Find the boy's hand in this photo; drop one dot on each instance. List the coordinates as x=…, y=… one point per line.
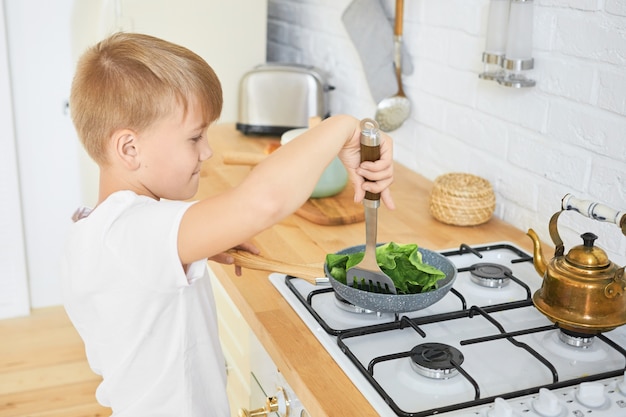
x=375, y=177
x=225, y=258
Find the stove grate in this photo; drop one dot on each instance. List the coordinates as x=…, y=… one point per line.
x=416, y=323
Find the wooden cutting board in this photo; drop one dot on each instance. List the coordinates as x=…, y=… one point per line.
x=333, y=211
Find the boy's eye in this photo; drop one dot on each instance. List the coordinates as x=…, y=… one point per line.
x=197, y=138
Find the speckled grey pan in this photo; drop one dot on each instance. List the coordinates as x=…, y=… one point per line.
x=401, y=303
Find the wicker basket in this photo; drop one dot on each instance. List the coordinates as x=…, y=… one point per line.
x=462, y=199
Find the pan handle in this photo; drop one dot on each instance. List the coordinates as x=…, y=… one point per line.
x=313, y=273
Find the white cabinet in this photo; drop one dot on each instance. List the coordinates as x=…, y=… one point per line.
x=252, y=375
x=235, y=336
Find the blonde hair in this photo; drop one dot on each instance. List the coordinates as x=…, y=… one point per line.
x=131, y=80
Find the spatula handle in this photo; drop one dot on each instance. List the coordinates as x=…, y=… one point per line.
x=370, y=148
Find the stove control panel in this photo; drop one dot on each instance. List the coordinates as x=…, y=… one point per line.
x=589, y=399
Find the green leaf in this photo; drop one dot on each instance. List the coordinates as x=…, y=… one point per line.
x=402, y=263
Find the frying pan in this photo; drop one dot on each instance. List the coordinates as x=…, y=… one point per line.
x=397, y=303
x=382, y=303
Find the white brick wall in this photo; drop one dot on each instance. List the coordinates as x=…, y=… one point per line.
x=567, y=134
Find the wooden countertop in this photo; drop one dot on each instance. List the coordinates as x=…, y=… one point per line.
x=318, y=381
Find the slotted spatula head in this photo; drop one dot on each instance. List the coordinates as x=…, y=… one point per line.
x=367, y=275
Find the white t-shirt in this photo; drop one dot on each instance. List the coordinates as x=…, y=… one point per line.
x=149, y=327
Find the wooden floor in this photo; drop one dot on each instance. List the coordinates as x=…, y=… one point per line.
x=43, y=370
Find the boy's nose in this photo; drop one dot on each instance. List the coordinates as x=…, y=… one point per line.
x=205, y=152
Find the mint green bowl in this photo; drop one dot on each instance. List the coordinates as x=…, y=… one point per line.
x=334, y=178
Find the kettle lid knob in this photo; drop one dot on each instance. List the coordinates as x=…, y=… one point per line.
x=588, y=239
x=587, y=255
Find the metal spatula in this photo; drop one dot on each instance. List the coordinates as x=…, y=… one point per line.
x=367, y=274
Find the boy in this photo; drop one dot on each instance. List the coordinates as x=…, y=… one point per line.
x=135, y=272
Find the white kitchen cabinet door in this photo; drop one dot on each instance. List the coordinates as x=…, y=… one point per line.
x=13, y=279
x=235, y=338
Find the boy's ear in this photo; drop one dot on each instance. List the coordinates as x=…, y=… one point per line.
x=125, y=148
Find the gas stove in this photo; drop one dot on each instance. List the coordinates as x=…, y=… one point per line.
x=483, y=350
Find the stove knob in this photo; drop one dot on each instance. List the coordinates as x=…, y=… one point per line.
x=547, y=404
x=271, y=406
x=279, y=404
x=591, y=394
x=501, y=409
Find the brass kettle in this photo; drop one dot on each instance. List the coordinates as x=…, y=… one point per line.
x=582, y=291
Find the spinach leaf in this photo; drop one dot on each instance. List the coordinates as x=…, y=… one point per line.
x=402, y=263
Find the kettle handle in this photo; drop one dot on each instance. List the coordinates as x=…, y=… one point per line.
x=595, y=211
x=589, y=209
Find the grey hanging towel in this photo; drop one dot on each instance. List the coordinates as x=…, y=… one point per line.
x=372, y=35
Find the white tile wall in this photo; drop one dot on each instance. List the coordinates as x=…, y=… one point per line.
x=567, y=134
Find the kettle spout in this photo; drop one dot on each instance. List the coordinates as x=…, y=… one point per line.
x=538, y=260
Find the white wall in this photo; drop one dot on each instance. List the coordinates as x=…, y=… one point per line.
x=13, y=278
x=230, y=36
x=567, y=134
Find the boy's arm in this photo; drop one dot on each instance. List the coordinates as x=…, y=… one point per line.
x=279, y=185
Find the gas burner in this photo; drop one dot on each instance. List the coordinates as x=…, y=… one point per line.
x=490, y=275
x=436, y=360
x=346, y=305
x=575, y=339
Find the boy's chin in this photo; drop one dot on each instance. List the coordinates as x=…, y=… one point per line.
x=180, y=195
x=188, y=195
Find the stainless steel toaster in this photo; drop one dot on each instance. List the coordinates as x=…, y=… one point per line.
x=274, y=98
